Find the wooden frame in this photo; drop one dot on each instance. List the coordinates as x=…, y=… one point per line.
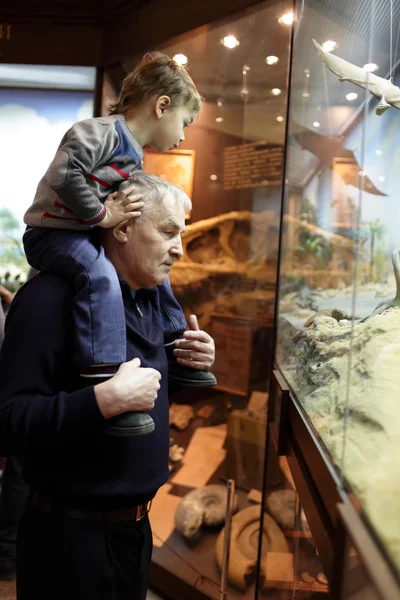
x=175, y=166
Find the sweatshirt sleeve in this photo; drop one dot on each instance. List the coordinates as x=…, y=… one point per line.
x=85, y=146
x=37, y=412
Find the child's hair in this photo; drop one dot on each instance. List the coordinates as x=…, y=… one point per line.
x=157, y=74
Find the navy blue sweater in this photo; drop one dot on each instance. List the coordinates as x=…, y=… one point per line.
x=56, y=425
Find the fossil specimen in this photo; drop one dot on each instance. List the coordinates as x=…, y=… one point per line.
x=387, y=93
x=203, y=506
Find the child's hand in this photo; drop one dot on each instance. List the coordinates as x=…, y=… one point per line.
x=121, y=206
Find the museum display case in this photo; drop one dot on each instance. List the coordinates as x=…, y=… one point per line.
x=338, y=322
x=289, y=250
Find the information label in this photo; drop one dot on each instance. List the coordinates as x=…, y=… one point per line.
x=252, y=165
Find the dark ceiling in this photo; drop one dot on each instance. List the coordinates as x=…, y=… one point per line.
x=74, y=11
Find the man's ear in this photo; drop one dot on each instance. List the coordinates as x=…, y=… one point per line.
x=120, y=231
x=162, y=103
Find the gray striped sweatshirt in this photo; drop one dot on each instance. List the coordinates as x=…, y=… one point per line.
x=93, y=158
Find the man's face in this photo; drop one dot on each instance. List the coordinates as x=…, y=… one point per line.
x=153, y=244
x=170, y=128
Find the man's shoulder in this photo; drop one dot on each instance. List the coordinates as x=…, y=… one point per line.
x=45, y=294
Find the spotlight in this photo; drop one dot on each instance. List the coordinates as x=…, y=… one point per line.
x=329, y=45
x=230, y=41
x=181, y=59
x=287, y=18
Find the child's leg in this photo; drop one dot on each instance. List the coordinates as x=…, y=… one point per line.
x=174, y=324
x=98, y=308
x=99, y=317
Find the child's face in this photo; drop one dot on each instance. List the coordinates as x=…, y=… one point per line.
x=170, y=128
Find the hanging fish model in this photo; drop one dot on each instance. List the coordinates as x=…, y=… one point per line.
x=387, y=93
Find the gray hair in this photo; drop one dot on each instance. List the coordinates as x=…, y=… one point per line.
x=154, y=190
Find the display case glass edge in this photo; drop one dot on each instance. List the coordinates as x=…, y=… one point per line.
x=352, y=531
x=279, y=405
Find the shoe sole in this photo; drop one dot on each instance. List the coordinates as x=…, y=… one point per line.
x=129, y=431
x=193, y=382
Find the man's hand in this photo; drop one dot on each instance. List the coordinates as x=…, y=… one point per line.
x=5, y=295
x=197, y=349
x=133, y=388
x=122, y=206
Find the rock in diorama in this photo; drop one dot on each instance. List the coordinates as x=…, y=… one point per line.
x=203, y=506
x=346, y=375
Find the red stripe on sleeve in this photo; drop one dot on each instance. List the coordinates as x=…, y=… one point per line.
x=51, y=216
x=61, y=205
x=122, y=173
x=100, y=181
x=97, y=219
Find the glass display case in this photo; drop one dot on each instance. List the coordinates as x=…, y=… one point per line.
x=338, y=339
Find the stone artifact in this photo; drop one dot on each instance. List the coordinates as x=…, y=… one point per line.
x=387, y=93
x=244, y=545
x=180, y=415
x=281, y=505
x=176, y=454
x=203, y=506
x=307, y=578
x=322, y=578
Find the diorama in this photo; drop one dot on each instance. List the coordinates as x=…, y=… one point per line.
x=339, y=295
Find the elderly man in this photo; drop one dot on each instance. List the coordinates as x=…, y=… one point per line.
x=85, y=533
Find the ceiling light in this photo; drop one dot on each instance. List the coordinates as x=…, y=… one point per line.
x=276, y=91
x=316, y=124
x=306, y=95
x=329, y=45
x=229, y=41
x=381, y=178
x=370, y=67
x=220, y=103
x=351, y=96
x=213, y=177
x=287, y=18
x=271, y=60
x=181, y=59
x=219, y=119
x=279, y=119
x=378, y=152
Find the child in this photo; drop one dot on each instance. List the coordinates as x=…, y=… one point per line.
x=158, y=100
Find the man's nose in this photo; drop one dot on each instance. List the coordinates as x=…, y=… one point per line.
x=182, y=137
x=177, y=249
